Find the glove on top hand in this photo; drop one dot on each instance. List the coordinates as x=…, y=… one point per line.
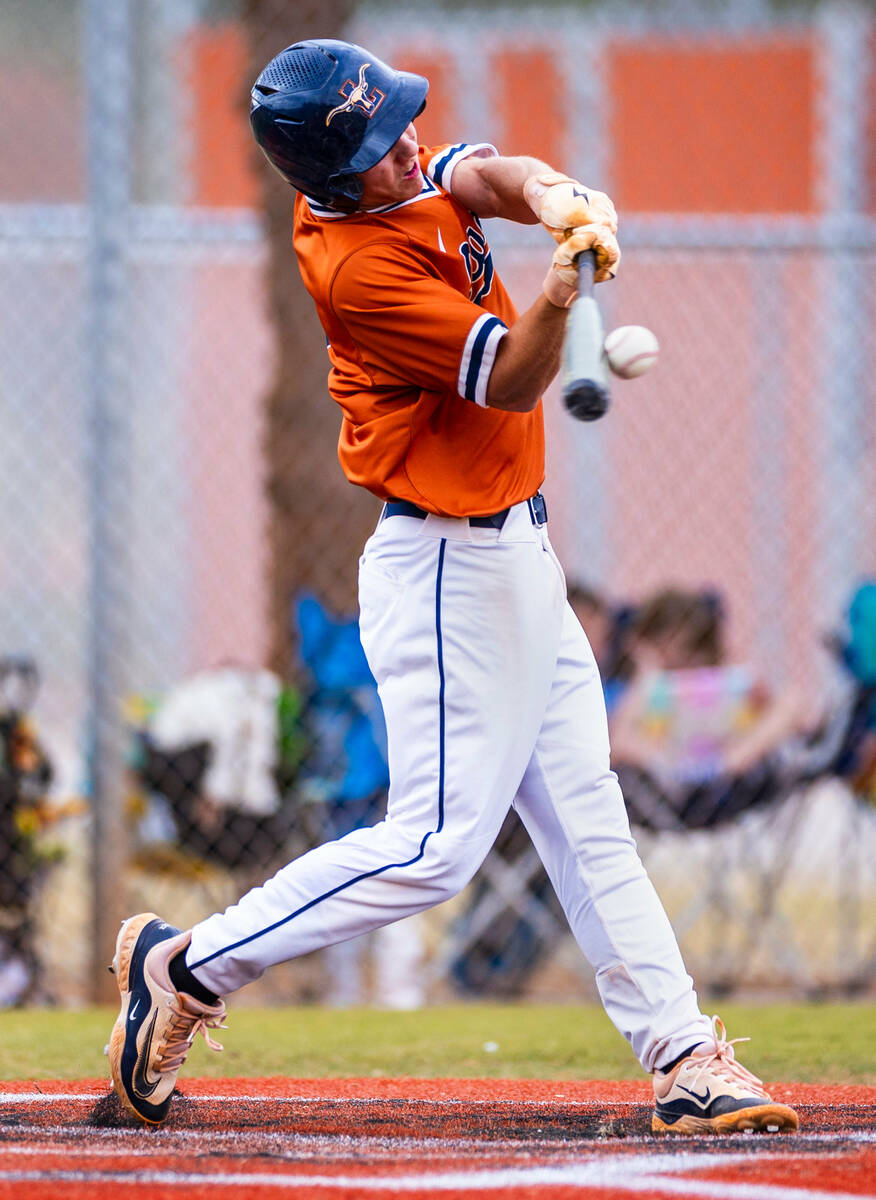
x=562, y=204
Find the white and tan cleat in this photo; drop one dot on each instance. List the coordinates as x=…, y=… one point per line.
x=156, y=1024
x=710, y=1092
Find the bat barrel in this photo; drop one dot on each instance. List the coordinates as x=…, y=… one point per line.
x=586, y=399
x=585, y=377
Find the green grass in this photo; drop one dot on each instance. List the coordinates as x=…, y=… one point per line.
x=820, y=1043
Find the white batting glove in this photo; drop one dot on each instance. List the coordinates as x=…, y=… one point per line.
x=563, y=204
x=561, y=282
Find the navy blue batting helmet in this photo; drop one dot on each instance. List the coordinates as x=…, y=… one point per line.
x=323, y=111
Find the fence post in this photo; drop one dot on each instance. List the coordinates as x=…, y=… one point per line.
x=108, y=73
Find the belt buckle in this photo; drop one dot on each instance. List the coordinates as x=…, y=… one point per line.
x=538, y=509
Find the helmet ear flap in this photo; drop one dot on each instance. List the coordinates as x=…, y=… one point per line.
x=345, y=191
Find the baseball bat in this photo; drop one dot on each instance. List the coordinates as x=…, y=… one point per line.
x=584, y=369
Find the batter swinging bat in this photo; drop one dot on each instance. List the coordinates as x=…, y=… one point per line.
x=585, y=372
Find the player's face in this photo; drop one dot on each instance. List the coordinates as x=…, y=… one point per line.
x=396, y=177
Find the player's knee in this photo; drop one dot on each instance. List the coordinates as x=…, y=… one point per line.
x=441, y=864
x=448, y=867
x=445, y=887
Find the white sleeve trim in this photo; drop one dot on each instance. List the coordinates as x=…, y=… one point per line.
x=441, y=168
x=478, y=357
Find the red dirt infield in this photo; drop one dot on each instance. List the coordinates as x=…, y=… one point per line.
x=445, y=1139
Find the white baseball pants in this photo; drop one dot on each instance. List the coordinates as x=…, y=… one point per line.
x=492, y=697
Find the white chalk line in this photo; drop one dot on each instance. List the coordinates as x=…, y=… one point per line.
x=159, y=1136
x=299, y=1143
x=620, y=1172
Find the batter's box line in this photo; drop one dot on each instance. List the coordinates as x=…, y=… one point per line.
x=622, y=1174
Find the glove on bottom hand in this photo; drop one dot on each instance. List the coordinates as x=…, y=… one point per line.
x=561, y=282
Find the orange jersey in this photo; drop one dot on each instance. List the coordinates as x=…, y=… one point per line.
x=414, y=312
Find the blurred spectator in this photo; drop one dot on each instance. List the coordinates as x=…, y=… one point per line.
x=235, y=711
x=676, y=630
x=218, y=755
x=695, y=741
x=856, y=648
x=25, y=775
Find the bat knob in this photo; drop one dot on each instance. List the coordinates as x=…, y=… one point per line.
x=586, y=400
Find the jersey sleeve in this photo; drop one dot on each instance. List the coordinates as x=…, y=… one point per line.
x=443, y=159
x=409, y=327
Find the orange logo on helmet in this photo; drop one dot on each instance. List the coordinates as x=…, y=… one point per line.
x=358, y=97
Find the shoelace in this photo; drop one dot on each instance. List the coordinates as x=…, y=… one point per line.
x=722, y=1060
x=182, y=1031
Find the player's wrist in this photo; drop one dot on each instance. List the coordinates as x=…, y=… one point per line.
x=556, y=291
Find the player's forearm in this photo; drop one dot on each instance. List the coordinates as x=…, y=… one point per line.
x=528, y=358
x=493, y=187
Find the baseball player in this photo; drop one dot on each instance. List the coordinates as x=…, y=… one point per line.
x=489, y=686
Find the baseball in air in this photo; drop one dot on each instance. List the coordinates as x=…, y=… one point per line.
x=631, y=350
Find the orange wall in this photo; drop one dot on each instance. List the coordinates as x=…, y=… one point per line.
x=531, y=99
x=215, y=68
x=870, y=126
x=712, y=128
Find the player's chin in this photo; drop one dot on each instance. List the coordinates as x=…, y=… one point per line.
x=402, y=188
x=412, y=182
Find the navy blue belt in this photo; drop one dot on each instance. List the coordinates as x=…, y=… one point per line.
x=404, y=508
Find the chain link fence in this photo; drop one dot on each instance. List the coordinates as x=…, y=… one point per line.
x=174, y=518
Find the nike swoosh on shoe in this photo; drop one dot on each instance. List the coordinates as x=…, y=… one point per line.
x=140, y=1080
